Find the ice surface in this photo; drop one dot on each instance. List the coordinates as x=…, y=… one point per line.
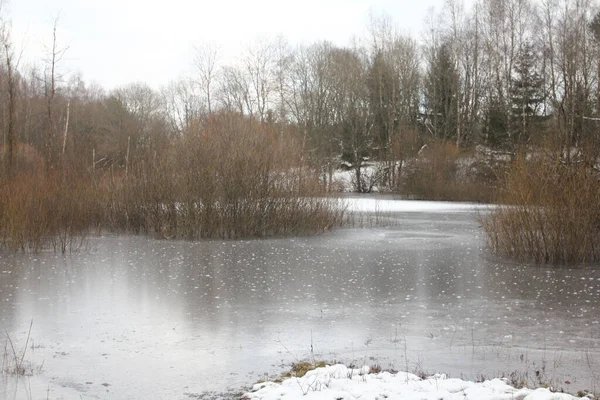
x=158, y=319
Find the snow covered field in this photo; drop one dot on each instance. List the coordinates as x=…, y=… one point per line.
x=338, y=382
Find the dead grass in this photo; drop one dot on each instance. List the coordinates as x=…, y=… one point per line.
x=300, y=368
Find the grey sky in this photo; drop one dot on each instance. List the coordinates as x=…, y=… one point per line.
x=114, y=42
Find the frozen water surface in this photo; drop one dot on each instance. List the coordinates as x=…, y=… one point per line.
x=132, y=317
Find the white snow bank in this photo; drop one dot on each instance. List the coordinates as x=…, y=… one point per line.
x=338, y=382
x=385, y=205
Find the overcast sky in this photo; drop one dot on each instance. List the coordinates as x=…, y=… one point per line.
x=114, y=42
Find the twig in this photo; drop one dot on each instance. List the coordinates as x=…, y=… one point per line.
x=26, y=343
x=287, y=350
x=406, y=360
x=13, y=350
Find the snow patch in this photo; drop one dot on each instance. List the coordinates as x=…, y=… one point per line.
x=369, y=204
x=338, y=382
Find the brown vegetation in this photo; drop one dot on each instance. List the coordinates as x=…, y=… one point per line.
x=300, y=368
x=236, y=178
x=442, y=171
x=551, y=213
x=38, y=211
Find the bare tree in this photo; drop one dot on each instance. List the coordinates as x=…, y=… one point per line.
x=473, y=75
x=144, y=105
x=456, y=40
x=506, y=26
x=182, y=106
x=55, y=54
x=283, y=61
x=260, y=62
x=309, y=99
x=11, y=67
x=351, y=115
x=234, y=91
x=393, y=82
x=206, y=63
x=432, y=42
x=570, y=69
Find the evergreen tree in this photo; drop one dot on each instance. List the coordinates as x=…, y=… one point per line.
x=440, y=93
x=526, y=97
x=495, y=132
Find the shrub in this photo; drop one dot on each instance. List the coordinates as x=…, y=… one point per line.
x=236, y=178
x=551, y=213
x=39, y=210
x=442, y=171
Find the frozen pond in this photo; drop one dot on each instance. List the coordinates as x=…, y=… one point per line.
x=132, y=317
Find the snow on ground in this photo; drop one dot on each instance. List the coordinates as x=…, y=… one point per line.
x=345, y=180
x=375, y=205
x=338, y=382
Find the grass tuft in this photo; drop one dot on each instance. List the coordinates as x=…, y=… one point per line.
x=300, y=368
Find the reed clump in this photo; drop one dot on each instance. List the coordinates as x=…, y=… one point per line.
x=13, y=359
x=550, y=213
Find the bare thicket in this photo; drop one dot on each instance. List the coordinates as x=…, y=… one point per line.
x=551, y=213
x=236, y=178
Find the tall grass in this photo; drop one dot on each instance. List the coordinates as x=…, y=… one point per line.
x=551, y=213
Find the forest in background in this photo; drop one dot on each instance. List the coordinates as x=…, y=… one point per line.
x=440, y=116
x=504, y=73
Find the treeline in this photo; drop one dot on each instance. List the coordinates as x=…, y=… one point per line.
x=504, y=73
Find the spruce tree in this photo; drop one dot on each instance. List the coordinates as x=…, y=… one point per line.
x=526, y=97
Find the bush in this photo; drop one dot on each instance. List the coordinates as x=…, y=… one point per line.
x=56, y=210
x=551, y=213
x=237, y=178
x=442, y=171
